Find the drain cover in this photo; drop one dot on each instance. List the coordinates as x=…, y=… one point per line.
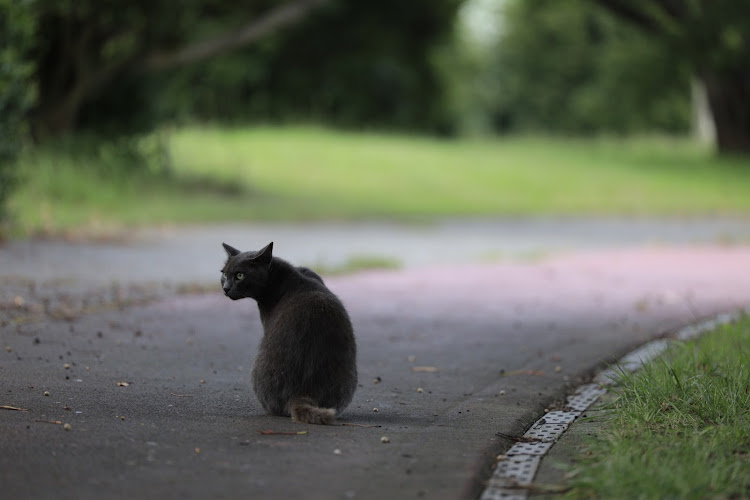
x=585, y=396
x=546, y=432
x=560, y=417
x=538, y=448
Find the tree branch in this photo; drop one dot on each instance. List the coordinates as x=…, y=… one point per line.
x=630, y=12
x=280, y=17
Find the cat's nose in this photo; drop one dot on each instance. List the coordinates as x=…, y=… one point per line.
x=226, y=289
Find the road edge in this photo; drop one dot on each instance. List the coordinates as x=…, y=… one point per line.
x=513, y=474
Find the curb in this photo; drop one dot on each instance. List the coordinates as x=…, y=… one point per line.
x=513, y=476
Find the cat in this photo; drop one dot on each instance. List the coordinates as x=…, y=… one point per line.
x=306, y=365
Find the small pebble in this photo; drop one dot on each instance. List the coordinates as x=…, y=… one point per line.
x=67, y=427
x=502, y=392
x=377, y=380
x=197, y=450
x=122, y=418
x=8, y=348
x=558, y=369
x=375, y=410
x=337, y=452
x=385, y=439
x=411, y=359
x=420, y=390
x=46, y=393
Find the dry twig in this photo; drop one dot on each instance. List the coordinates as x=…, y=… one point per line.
x=13, y=408
x=426, y=369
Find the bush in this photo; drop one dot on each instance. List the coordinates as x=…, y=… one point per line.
x=571, y=67
x=17, y=28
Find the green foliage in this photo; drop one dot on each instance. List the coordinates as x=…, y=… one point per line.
x=17, y=29
x=362, y=63
x=351, y=64
x=296, y=174
x=680, y=428
x=571, y=67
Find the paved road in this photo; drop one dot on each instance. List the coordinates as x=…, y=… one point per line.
x=192, y=254
x=490, y=345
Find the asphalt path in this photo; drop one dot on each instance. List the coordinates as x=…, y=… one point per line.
x=158, y=399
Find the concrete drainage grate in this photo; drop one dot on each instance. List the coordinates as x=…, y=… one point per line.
x=692, y=331
x=536, y=448
x=559, y=417
x=546, y=432
x=502, y=494
x=585, y=397
x=516, y=470
x=632, y=362
x=640, y=357
x=608, y=377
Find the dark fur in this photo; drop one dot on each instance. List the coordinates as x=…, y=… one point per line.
x=306, y=363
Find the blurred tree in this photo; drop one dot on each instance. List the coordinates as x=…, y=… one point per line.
x=17, y=29
x=713, y=36
x=353, y=64
x=97, y=51
x=115, y=66
x=570, y=67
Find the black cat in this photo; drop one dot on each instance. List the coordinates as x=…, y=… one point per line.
x=307, y=360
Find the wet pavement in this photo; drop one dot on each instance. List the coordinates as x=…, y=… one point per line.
x=451, y=351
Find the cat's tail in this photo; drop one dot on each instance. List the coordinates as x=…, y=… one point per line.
x=306, y=411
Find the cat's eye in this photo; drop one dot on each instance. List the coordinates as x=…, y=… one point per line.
x=239, y=276
x=223, y=276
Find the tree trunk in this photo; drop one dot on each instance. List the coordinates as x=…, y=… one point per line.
x=55, y=118
x=729, y=99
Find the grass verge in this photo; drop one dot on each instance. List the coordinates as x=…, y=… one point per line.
x=303, y=173
x=357, y=263
x=679, y=428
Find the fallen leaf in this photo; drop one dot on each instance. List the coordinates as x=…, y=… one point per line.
x=427, y=369
x=123, y=384
x=14, y=408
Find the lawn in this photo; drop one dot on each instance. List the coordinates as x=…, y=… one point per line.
x=303, y=173
x=680, y=428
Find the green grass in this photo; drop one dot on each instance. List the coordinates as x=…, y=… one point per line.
x=303, y=173
x=679, y=428
x=357, y=263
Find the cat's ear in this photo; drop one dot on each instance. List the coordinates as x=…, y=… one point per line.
x=265, y=254
x=231, y=251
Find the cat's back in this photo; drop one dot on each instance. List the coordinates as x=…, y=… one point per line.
x=312, y=306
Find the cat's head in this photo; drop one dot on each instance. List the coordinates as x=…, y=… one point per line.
x=245, y=274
